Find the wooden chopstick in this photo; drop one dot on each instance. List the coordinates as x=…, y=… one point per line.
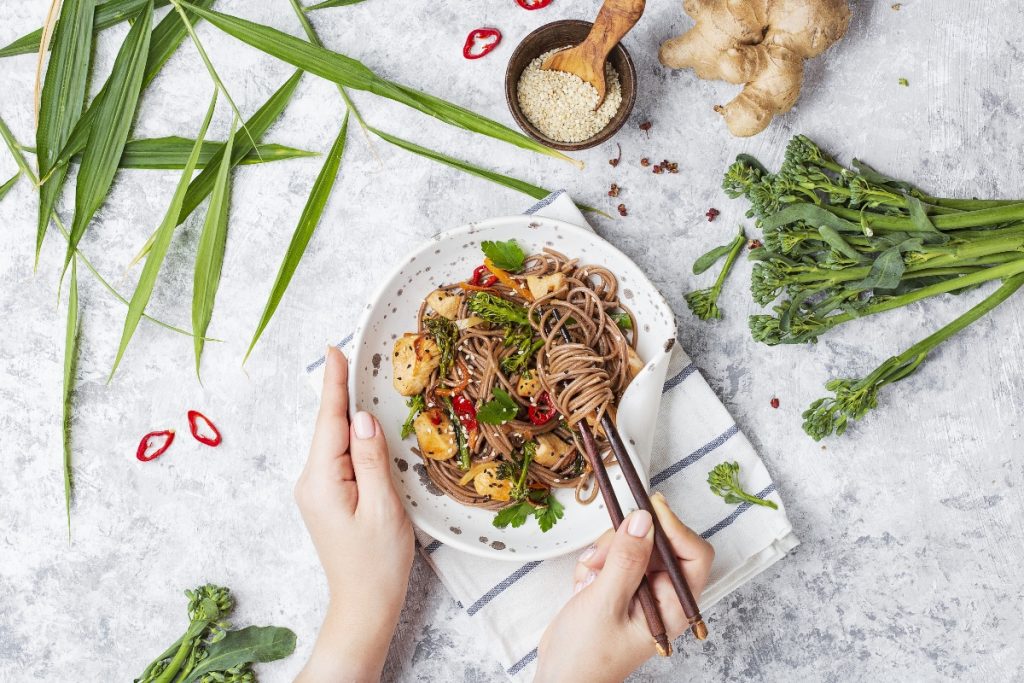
x=643, y=593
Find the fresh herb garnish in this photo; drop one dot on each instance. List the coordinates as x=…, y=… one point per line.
x=724, y=481
x=507, y=255
x=417, y=404
x=623, y=321
x=446, y=334
x=498, y=311
x=499, y=409
x=514, y=515
x=540, y=504
x=549, y=513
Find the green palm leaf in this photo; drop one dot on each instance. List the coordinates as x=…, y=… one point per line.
x=258, y=123
x=147, y=280
x=308, y=221
x=108, y=136
x=321, y=5
x=210, y=252
x=171, y=153
x=109, y=13
x=351, y=73
x=63, y=98
x=70, y=353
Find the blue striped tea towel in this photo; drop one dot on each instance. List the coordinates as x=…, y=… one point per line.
x=507, y=606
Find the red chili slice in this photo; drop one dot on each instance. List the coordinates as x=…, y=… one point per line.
x=196, y=420
x=479, y=280
x=466, y=411
x=533, y=4
x=162, y=440
x=481, y=41
x=542, y=411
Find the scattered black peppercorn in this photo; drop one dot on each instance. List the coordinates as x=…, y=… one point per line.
x=622, y=210
x=712, y=214
x=645, y=162
x=613, y=191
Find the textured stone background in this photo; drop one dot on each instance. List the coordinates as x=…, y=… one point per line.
x=911, y=524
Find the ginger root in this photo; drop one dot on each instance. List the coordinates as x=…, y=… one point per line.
x=759, y=43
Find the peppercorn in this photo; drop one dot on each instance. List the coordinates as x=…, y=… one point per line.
x=613, y=191
x=622, y=210
x=645, y=162
x=775, y=402
x=645, y=126
x=657, y=169
x=615, y=162
x=754, y=244
x=712, y=214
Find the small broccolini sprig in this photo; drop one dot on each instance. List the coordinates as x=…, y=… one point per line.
x=724, y=481
x=704, y=302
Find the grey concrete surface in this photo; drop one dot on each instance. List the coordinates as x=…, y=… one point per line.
x=911, y=525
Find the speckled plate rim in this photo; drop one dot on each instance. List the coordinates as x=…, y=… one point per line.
x=635, y=416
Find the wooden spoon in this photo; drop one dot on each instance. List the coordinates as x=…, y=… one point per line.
x=587, y=59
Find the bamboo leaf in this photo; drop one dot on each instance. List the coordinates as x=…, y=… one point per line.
x=6, y=187
x=324, y=5
x=109, y=13
x=108, y=136
x=15, y=150
x=508, y=181
x=170, y=153
x=349, y=72
x=257, y=124
x=210, y=252
x=147, y=280
x=63, y=97
x=308, y=221
x=166, y=38
x=70, y=354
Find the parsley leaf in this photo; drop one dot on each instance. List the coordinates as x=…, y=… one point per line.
x=548, y=515
x=506, y=255
x=499, y=409
x=514, y=515
x=416, y=405
x=623, y=321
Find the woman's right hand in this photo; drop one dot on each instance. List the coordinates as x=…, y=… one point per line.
x=601, y=634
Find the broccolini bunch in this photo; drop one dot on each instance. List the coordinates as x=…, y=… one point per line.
x=841, y=244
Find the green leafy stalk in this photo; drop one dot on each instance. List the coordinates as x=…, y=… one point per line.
x=102, y=154
x=308, y=221
x=704, y=302
x=724, y=481
x=461, y=435
x=498, y=311
x=446, y=335
x=9, y=184
x=257, y=124
x=351, y=73
x=171, y=153
x=855, y=397
x=417, y=404
x=147, y=280
x=237, y=649
x=208, y=608
x=332, y=3
x=70, y=355
x=62, y=99
x=210, y=251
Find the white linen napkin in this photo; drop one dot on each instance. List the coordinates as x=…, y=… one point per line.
x=510, y=604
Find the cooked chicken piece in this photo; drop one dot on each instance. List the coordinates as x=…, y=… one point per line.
x=550, y=449
x=435, y=434
x=528, y=385
x=445, y=302
x=542, y=285
x=487, y=483
x=414, y=358
x=636, y=364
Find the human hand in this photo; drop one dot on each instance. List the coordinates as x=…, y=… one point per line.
x=601, y=633
x=361, y=533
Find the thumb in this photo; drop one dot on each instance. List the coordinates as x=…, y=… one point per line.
x=627, y=560
x=369, y=452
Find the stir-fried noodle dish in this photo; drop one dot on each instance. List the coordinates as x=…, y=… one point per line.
x=495, y=391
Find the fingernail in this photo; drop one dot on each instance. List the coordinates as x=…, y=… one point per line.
x=577, y=588
x=658, y=495
x=588, y=553
x=639, y=523
x=362, y=424
x=589, y=579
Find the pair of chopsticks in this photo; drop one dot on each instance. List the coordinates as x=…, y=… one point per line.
x=661, y=543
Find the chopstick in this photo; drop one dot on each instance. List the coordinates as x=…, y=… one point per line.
x=636, y=486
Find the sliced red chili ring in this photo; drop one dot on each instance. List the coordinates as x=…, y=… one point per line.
x=196, y=421
x=466, y=411
x=435, y=416
x=533, y=4
x=481, y=41
x=542, y=411
x=479, y=280
x=162, y=440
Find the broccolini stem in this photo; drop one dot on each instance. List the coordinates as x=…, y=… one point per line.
x=184, y=650
x=951, y=221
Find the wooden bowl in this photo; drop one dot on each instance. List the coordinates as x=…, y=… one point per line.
x=558, y=34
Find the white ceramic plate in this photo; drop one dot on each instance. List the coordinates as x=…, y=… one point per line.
x=450, y=257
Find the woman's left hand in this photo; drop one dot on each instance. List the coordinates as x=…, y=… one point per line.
x=361, y=532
